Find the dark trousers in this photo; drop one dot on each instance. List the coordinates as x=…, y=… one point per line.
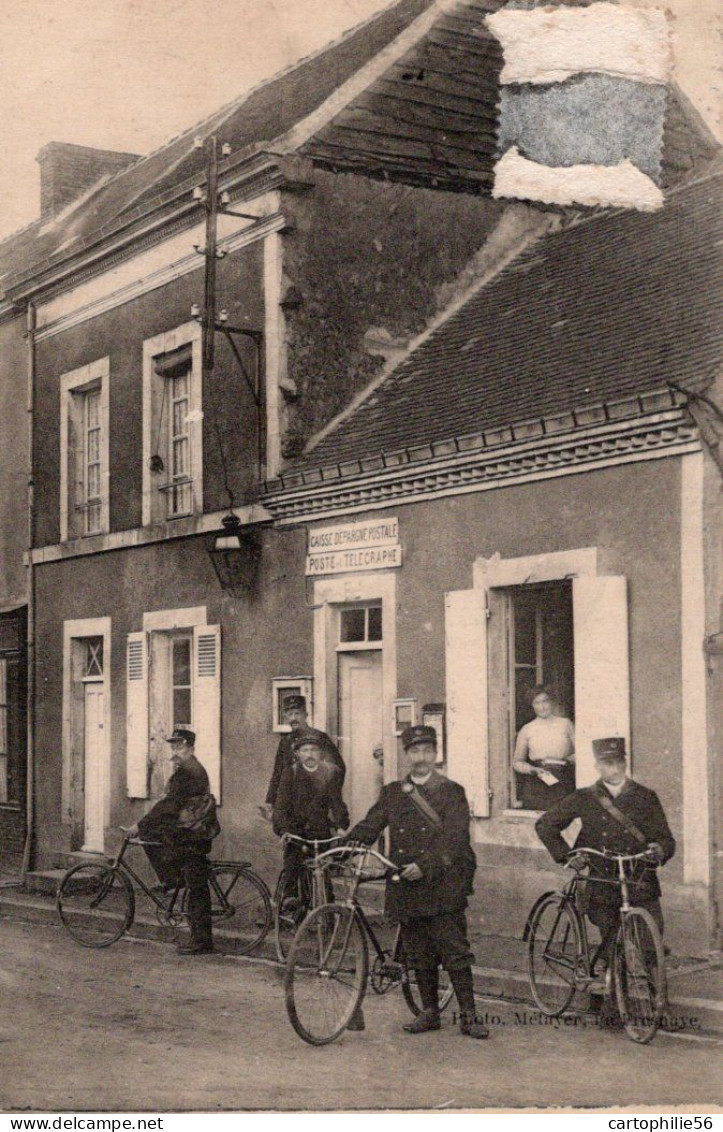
x=605, y=915
x=295, y=868
x=172, y=862
x=431, y=940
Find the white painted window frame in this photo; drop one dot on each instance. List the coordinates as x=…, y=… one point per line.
x=187, y=334
x=96, y=375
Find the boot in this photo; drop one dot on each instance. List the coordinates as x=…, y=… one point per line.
x=469, y=1024
x=356, y=1021
x=428, y=983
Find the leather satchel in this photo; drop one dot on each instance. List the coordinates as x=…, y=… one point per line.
x=198, y=817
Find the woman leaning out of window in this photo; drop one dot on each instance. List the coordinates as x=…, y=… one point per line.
x=545, y=755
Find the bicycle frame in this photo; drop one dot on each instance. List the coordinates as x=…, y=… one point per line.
x=569, y=894
x=120, y=865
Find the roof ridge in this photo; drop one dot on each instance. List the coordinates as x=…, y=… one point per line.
x=227, y=108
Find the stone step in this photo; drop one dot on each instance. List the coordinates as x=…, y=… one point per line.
x=45, y=882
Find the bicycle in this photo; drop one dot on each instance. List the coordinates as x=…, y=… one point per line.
x=327, y=970
x=560, y=962
x=96, y=901
x=297, y=892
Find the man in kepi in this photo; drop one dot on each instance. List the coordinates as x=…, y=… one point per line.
x=295, y=717
x=181, y=852
x=428, y=819
x=620, y=816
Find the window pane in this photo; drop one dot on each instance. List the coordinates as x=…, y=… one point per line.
x=94, y=656
x=4, y=779
x=180, y=457
x=182, y=662
x=525, y=629
x=92, y=401
x=180, y=412
x=181, y=707
x=352, y=625
x=375, y=623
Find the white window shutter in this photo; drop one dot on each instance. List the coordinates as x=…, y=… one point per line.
x=466, y=661
x=137, y=715
x=602, y=677
x=207, y=701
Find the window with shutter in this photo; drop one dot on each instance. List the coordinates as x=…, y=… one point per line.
x=137, y=739
x=602, y=677
x=207, y=701
x=466, y=667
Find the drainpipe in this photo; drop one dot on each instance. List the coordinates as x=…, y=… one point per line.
x=30, y=784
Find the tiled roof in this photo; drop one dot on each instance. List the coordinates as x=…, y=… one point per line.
x=427, y=118
x=259, y=116
x=616, y=306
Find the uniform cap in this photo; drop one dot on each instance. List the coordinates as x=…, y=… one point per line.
x=182, y=735
x=294, y=701
x=420, y=733
x=309, y=737
x=609, y=750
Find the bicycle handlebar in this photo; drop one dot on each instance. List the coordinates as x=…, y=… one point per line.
x=607, y=856
x=342, y=851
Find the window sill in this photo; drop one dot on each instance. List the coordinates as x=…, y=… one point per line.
x=143, y=536
x=522, y=815
x=12, y=807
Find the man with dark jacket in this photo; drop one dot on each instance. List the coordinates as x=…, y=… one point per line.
x=428, y=819
x=296, y=718
x=620, y=816
x=308, y=802
x=180, y=852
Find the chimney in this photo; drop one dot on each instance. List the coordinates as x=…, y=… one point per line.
x=66, y=171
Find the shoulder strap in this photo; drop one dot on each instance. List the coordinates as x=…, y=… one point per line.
x=424, y=807
x=603, y=799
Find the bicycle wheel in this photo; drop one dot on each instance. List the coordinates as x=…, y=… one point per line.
x=240, y=907
x=292, y=902
x=554, y=954
x=639, y=974
x=326, y=973
x=96, y=904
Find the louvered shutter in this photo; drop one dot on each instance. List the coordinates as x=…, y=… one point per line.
x=207, y=701
x=137, y=715
x=466, y=662
x=602, y=678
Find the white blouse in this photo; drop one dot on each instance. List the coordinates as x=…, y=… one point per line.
x=546, y=740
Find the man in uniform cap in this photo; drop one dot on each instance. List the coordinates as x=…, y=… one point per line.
x=295, y=716
x=182, y=853
x=620, y=816
x=428, y=819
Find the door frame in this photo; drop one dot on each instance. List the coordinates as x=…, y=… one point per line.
x=330, y=595
x=75, y=630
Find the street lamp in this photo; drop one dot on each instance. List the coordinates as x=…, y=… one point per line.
x=234, y=554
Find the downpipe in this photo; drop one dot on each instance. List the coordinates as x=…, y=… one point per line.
x=30, y=733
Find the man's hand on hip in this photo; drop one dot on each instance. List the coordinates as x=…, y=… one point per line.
x=411, y=872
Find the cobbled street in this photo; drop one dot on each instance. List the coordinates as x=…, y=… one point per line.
x=138, y=1028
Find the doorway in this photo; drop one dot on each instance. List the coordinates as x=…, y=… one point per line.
x=360, y=699
x=86, y=733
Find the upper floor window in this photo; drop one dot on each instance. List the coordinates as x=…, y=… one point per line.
x=172, y=428
x=84, y=465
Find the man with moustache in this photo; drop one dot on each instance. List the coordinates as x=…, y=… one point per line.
x=428, y=819
x=296, y=718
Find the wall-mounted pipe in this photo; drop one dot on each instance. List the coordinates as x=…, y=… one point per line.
x=30, y=773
